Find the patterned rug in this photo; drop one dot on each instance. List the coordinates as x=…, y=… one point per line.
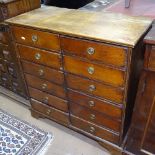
x=20, y=138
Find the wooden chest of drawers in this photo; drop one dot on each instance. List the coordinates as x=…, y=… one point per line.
x=86, y=83
x=10, y=76
x=141, y=137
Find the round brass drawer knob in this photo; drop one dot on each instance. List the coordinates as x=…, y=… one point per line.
x=44, y=86
x=37, y=56
x=92, y=129
x=48, y=112
x=90, y=51
x=34, y=38
x=92, y=116
x=45, y=100
x=41, y=72
x=91, y=70
x=91, y=103
x=92, y=88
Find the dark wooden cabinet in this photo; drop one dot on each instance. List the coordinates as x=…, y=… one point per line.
x=10, y=75
x=141, y=137
x=78, y=77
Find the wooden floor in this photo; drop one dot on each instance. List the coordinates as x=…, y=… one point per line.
x=137, y=8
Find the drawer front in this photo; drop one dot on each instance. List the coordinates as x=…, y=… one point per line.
x=95, y=130
x=36, y=38
x=95, y=117
x=43, y=72
x=40, y=56
x=95, y=88
x=95, y=104
x=5, y=52
x=48, y=99
x=45, y=86
x=93, y=71
x=4, y=35
x=151, y=62
x=50, y=112
x=104, y=53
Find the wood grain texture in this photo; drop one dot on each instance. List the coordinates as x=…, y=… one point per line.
x=49, y=112
x=95, y=117
x=44, y=40
x=103, y=53
x=46, y=58
x=107, y=27
x=101, y=106
x=99, y=132
x=48, y=99
x=45, y=86
x=101, y=73
x=101, y=90
x=43, y=72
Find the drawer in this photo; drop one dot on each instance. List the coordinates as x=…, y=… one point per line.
x=95, y=104
x=95, y=130
x=36, y=38
x=4, y=35
x=48, y=99
x=40, y=56
x=151, y=61
x=3, y=66
x=104, y=53
x=94, y=88
x=95, y=117
x=12, y=70
x=94, y=71
x=50, y=112
x=45, y=86
x=43, y=72
x=5, y=52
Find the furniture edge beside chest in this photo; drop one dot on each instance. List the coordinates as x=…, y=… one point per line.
x=94, y=85
x=140, y=139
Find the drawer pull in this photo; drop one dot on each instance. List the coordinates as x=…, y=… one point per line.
x=37, y=56
x=90, y=51
x=44, y=86
x=92, y=88
x=41, y=72
x=91, y=103
x=92, y=129
x=45, y=100
x=48, y=112
x=23, y=38
x=34, y=38
x=91, y=70
x=92, y=116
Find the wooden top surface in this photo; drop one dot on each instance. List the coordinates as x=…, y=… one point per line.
x=7, y=1
x=150, y=37
x=102, y=26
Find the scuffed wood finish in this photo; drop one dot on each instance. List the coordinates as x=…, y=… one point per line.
x=40, y=56
x=95, y=130
x=95, y=117
x=141, y=136
x=41, y=39
x=11, y=8
x=48, y=99
x=49, y=112
x=43, y=72
x=101, y=84
x=46, y=86
x=103, y=53
x=10, y=75
x=102, y=73
x=95, y=104
x=107, y=27
x=100, y=90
